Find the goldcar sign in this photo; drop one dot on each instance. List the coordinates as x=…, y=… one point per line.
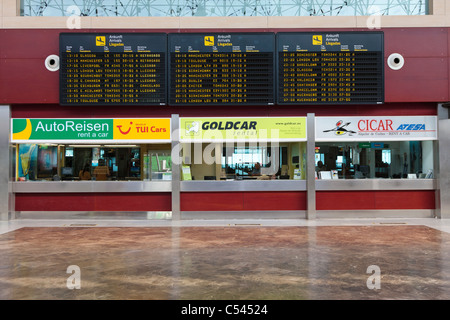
x=242, y=129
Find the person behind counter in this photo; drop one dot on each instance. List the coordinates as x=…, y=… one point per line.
x=320, y=166
x=256, y=170
x=101, y=172
x=85, y=174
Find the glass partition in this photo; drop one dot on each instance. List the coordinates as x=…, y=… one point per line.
x=375, y=160
x=217, y=161
x=128, y=162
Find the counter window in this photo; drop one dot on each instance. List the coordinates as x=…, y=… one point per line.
x=218, y=161
x=370, y=160
x=92, y=162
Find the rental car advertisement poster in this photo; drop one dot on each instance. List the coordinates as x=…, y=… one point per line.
x=242, y=129
x=376, y=128
x=83, y=130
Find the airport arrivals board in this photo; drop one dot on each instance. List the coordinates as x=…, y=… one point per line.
x=113, y=69
x=229, y=69
x=221, y=69
x=330, y=68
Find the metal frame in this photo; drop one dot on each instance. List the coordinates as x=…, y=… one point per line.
x=217, y=215
x=220, y=8
x=91, y=186
x=5, y=168
x=310, y=166
x=369, y=214
x=176, y=168
x=254, y=185
x=376, y=184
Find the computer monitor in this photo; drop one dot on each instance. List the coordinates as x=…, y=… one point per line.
x=69, y=152
x=67, y=171
x=364, y=169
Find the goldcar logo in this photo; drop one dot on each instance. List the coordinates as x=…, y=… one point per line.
x=193, y=128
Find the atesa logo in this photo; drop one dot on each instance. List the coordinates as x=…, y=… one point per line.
x=411, y=127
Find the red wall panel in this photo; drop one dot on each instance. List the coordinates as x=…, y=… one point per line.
x=375, y=200
x=412, y=42
x=29, y=43
x=57, y=111
x=415, y=199
x=424, y=78
x=421, y=79
x=211, y=201
x=238, y=201
x=275, y=200
x=93, y=202
x=28, y=81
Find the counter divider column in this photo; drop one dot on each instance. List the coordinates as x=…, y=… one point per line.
x=5, y=171
x=310, y=167
x=443, y=163
x=176, y=167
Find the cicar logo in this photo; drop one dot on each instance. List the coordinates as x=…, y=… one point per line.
x=341, y=128
x=375, y=125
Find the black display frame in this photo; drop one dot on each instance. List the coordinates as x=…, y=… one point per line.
x=152, y=39
x=202, y=35
x=276, y=84
x=366, y=35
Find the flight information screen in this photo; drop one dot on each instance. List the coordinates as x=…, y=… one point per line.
x=222, y=69
x=330, y=68
x=113, y=69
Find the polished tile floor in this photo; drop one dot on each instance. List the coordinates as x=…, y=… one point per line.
x=216, y=260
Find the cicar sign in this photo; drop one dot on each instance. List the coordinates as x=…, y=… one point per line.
x=376, y=128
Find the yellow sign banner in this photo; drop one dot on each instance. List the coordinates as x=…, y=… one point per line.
x=141, y=129
x=242, y=129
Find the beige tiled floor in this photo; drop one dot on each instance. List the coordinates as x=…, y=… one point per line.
x=225, y=259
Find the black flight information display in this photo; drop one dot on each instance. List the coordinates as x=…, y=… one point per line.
x=330, y=68
x=113, y=69
x=222, y=69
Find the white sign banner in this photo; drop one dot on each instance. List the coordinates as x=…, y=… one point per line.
x=376, y=128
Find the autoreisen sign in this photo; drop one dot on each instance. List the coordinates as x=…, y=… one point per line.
x=90, y=130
